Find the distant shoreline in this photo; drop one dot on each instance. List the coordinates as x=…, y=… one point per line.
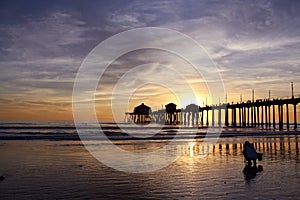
x=167, y=134
x=66, y=130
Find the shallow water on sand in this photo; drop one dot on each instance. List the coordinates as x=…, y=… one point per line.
x=42, y=169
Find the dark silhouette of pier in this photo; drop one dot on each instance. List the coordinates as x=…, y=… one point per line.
x=259, y=113
x=254, y=113
x=264, y=113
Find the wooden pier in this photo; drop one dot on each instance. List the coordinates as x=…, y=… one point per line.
x=265, y=113
x=259, y=113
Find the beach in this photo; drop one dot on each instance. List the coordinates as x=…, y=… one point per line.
x=149, y=100
x=48, y=168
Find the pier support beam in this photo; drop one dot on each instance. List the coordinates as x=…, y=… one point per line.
x=262, y=116
x=254, y=115
x=287, y=117
x=240, y=117
x=266, y=116
x=226, y=116
x=269, y=111
x=234, y=117
x=280, y=114
x=248, y=117
x=244, y=116
x=258, y=123
x=207, y=118
x=202, y=117
x=295, y=116
x=274, y=120
x=197, y=118
x=219, y=117
x=213, y=117
x=281, y=117
x=252, y=118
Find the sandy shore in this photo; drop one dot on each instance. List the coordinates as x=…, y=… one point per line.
x=64, y=169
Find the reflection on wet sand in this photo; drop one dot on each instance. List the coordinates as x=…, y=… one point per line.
x=274, y=149
x=271, y=147
x=251, y=171
x=285, y=146
x=31, y=166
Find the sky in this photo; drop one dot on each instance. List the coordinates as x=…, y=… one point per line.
x=253, y=44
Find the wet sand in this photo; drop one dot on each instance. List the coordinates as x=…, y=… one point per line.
x=43, y=169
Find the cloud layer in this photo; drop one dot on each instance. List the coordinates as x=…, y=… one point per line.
x=42, y=44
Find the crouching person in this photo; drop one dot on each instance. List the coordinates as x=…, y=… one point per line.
x=250, y=153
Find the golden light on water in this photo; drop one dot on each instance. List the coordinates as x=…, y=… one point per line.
x=191, y=148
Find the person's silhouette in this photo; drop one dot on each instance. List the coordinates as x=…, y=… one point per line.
x=250, y=153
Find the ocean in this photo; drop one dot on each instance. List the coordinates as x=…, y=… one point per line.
x=47, y=160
